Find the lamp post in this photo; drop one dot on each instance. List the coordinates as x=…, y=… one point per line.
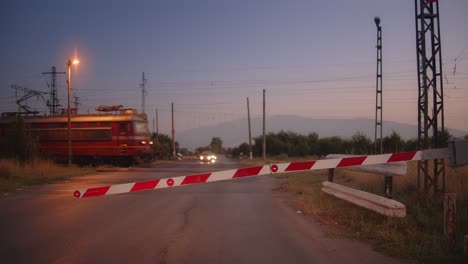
x=69, y=64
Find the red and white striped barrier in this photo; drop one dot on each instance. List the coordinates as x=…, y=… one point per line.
x=260, y=170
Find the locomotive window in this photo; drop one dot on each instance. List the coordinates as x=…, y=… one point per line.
x=122, y=127
x=141, y=127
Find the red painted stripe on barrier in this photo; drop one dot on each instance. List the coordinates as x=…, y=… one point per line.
x=352, y=161
x=253, y=171
x=144, y=185
x=98, y=191
x=199, y=178
x=403, y=156
x=301, y=165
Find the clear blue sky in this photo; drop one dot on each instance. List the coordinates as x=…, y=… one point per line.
x=314, y=58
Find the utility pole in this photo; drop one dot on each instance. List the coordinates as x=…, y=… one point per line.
x=53, y=102
x=264, y=137
x=143, y=92
x=378, y=94
x=157, y=126
x=76, y=102
x=378, y=139
x=173, y=132
x=430, y=93
x=250, y=132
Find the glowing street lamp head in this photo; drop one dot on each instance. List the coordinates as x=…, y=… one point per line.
x=73, y=62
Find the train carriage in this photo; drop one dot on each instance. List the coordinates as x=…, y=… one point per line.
x=121, y=136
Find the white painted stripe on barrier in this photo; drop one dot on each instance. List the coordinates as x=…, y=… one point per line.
x=120, y=188
x=370, y=159
x=418, y=156
x=281, y=167
x=221, y=175
x=326, y=164
x=265, y=170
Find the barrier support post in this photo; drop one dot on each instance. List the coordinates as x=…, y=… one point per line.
x=388, y=182
x=450, y=215
x=465, y=246
x=331, y=173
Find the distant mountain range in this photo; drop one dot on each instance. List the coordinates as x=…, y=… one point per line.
x=236, y=132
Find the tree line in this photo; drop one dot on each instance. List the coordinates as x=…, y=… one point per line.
x=162, y=147
x=293, y=144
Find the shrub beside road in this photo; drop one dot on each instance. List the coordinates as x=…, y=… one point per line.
x=419, y=236
x=14, y=174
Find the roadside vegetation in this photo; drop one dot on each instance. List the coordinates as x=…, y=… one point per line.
x=163, y=147
x=21, y=164
x=15, y=175
x=291, y=144
x=419, y=236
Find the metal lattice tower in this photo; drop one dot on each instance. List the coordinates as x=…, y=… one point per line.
x=53, y=102
x=26, y=94
x=378, y=94
x=430, y=93
x=76, y=102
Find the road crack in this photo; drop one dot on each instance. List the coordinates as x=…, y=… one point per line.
x=180, y=233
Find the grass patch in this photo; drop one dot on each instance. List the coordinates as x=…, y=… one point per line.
x=15, y=175
x=419, y=236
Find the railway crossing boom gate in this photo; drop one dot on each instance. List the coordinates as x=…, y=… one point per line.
x=457, y=154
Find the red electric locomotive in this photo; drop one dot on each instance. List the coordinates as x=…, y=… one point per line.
x=117, y=135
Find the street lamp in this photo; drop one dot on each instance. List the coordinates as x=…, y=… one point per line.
x=377, y=21
x=69, y=64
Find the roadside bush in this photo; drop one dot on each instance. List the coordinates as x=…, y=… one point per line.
x=20, y=144
x=297, y=145
x=163, y=146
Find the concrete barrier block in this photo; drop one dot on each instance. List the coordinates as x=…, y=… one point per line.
x=367, y=200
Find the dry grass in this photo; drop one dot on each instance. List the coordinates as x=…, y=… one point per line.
x=456, y=180
x=13, y=174
x=419, y=236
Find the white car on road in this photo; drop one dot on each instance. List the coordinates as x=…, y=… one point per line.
x=208, y=156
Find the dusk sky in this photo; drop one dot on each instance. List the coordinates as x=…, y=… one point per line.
x=314, y=58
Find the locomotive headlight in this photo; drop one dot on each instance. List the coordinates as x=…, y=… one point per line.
x=151, y=142
x=143, y=142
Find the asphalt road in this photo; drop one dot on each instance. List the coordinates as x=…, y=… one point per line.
x=239, y=221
